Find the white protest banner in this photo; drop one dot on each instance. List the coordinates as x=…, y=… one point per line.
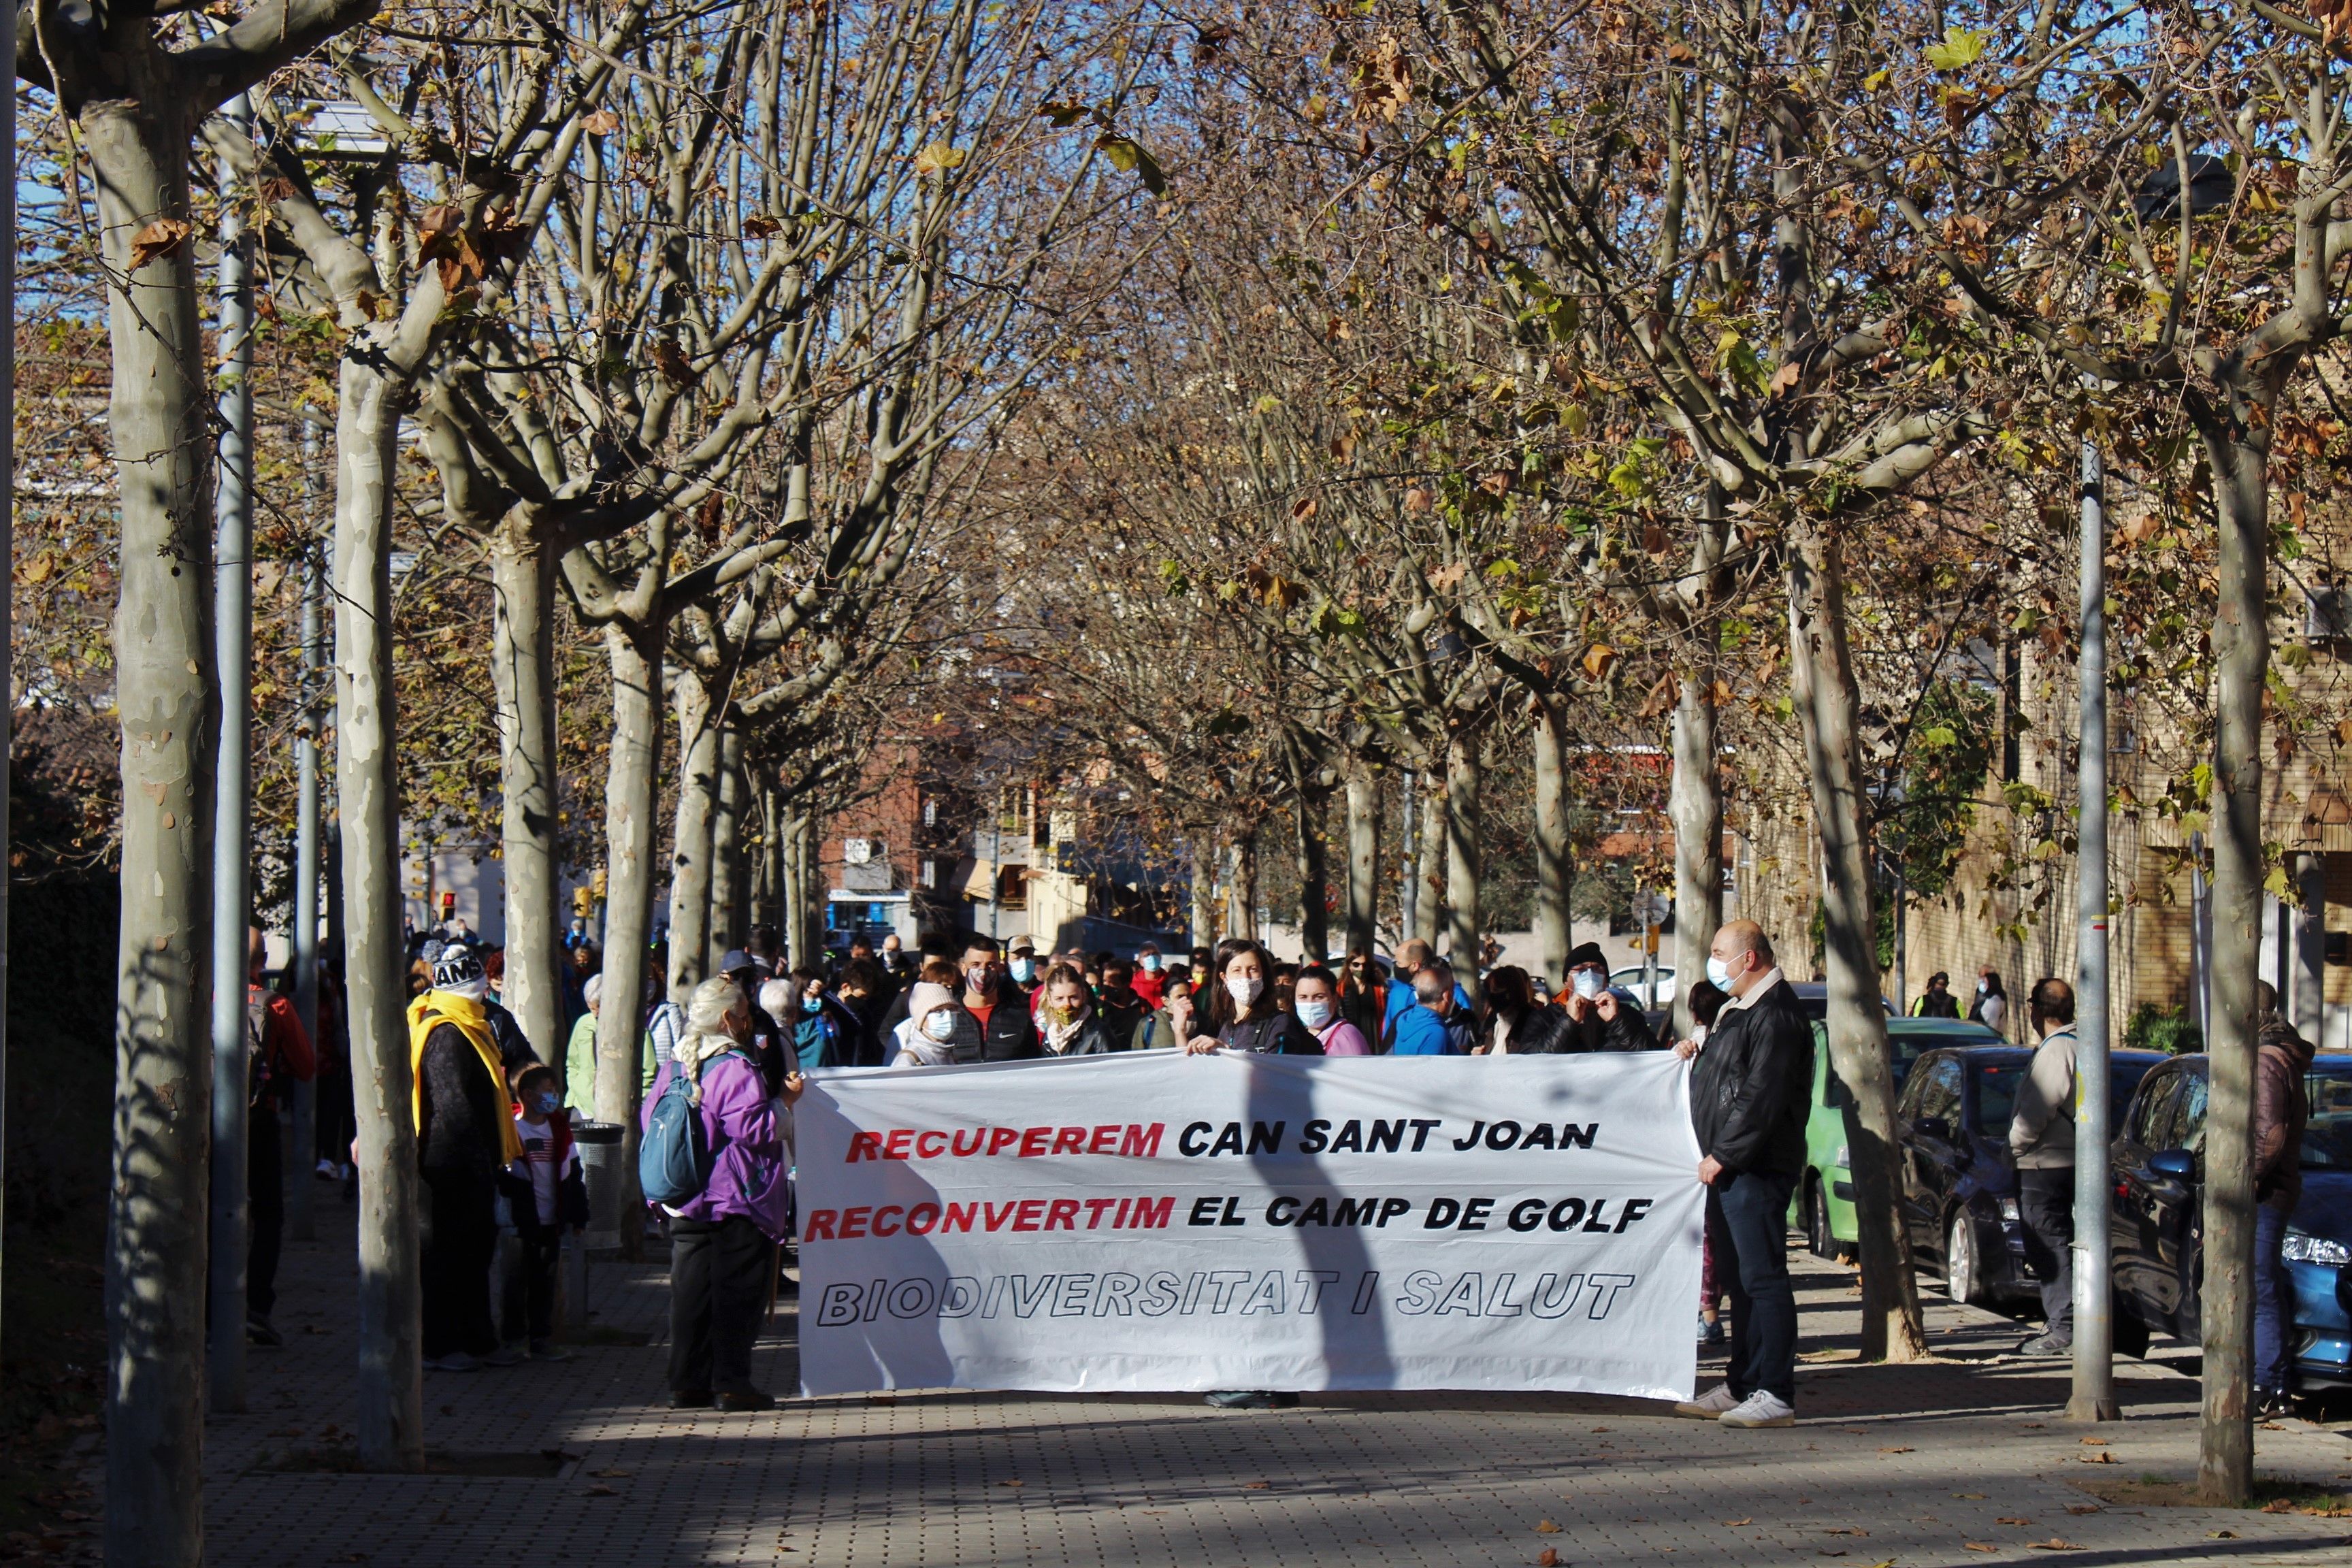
x=1157, y=1221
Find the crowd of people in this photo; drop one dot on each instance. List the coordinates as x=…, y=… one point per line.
x=737, y=1055
x=496, y=1156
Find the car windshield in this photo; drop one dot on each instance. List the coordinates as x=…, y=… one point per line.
x=2327, y=1136
x=1997, y=1090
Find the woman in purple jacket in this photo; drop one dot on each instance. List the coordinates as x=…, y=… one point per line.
x=723, y=1241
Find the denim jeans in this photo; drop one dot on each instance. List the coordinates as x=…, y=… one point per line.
x=1747, y=1218
x=2273, y=1297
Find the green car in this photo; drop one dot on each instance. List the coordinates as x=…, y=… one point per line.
x=1822, y=1204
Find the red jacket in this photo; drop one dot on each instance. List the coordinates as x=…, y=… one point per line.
x=283, y=1042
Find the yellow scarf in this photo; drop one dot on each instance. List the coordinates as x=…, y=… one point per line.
x=465, y=1016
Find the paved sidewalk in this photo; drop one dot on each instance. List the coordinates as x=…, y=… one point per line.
x=1907, y=1466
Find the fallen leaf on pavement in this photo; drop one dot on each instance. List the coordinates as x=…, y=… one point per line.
x=2013, y=1522
x=1970, y=1497
x=1980, y=1546
x=1903, y=1450
x=1830, y=1551
x=1255, y=1486
x=1546, y=1527
x=602, y=1491
x=2278, y=1505
x=608, y=1473
x=1009, y=1483
x=2100, y=1457
x=1735, y=1523
x=1845, y=1530
x=2221, y=1535
x=1601, y=1428
x=1548, y=1559
x=2083, y=1508
x=2095, y=1442
x=2053, y=1544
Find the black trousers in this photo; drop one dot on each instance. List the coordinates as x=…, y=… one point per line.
x=2045, y=1204
x=461, y=1242
x=719, y=1273
x=265, y=1197
x=334, y=1113
x=530, y=1285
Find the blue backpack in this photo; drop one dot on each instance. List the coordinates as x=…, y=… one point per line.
x=674, y=1159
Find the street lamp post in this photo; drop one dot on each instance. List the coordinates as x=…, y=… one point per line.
x=230, y=1208
x=2094, y=1394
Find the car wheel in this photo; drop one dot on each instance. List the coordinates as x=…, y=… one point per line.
x=1963, y=1279
x=1818, y=1236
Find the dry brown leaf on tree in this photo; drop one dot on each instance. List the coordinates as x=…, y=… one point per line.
x=157, y=240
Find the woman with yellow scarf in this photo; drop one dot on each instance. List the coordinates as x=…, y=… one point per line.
x=465, y=1137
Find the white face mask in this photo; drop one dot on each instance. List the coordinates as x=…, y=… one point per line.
x=1244, y=988
x=1314, y=1013
x=1718, y=973
x=939, y=1025
x=1588, y=983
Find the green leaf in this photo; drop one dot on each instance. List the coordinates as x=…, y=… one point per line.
x=1128, y=157
x=1960, y=49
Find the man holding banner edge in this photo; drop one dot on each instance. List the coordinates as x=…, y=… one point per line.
x=1748, y=1097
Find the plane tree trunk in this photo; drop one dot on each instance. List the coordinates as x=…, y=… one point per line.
x=1694, y=805
x=1463, y=852
x=1828, y=705
x=523, y=665
x=1364, y=856
x=632, y=790
x=367, y=787
x=1308, y=811
x=136, y=143
x=1555, y=871
x=2238, y=455
x=689, y=875
x=728, y=805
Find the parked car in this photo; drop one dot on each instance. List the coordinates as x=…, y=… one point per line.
x=1822, y=1204
x=2159, y=1218
x=1629, y=980
x=1813, y=999
x=1959, y=1184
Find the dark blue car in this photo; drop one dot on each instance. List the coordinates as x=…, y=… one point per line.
x=2159, y=1167
x=1959, y=1183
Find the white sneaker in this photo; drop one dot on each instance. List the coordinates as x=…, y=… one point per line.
x=1760, y=1409
x=1709, y=1407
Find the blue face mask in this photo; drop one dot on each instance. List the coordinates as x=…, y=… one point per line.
x=548, y=1104
x=1024, y=970
x=1717, y=974
x=811, y=1004
x=1151, y=963
x=1314, y=1013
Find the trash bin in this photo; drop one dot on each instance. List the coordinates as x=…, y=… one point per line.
x=600, y=1166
